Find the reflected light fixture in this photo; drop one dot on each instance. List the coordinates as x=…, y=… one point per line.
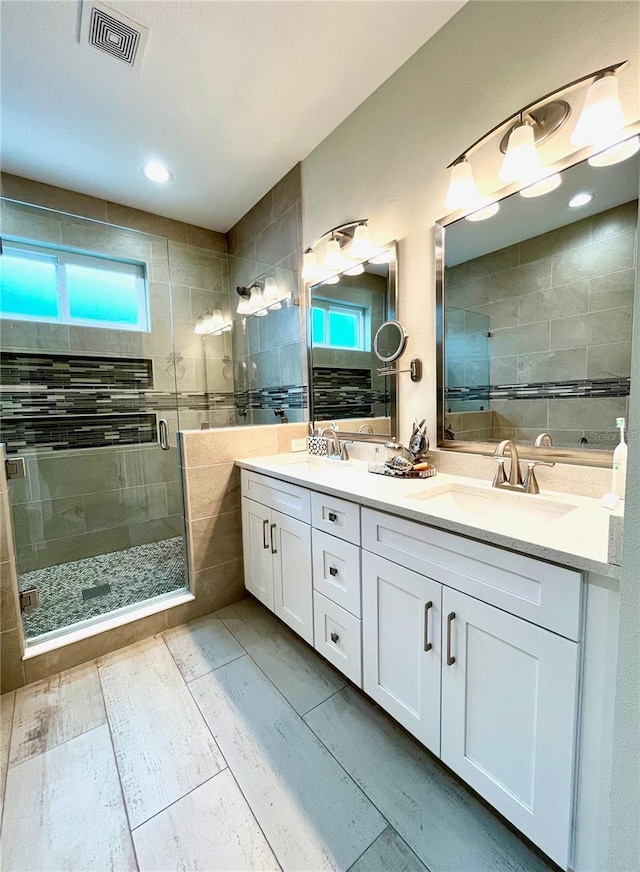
x=244, y=303
x=600, y=124
x=616, y=153
x=271, y=290
x=157, y=172
x=351, y=239
x=484, y=213
x=211, y=322
x=580, y=199
x=543, y=186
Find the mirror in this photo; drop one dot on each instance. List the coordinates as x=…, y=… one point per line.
x=345, y=314
x=390, y=341
x=535, y=314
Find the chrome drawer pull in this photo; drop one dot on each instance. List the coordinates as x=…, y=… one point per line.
x=427, y=644
x=274, y=550
x=333, y=571
x=334, y=637
x=333, y=516
x=265, y=536
x=450, y=660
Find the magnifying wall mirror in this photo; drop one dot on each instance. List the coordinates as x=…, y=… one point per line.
x=390, y=341
x=535, y=312
x=345, y=314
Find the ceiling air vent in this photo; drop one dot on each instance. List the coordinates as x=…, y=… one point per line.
x=109, y=31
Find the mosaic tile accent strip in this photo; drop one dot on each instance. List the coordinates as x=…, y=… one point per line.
x=61, y=433
x=576, y=389
x=134, y=575
x=284, y=397
x=336, y=390
x=74, y=370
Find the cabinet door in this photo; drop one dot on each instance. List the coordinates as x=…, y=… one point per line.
x=401, y=645
x=508, y=716
x=293, y=589
x=258, y=563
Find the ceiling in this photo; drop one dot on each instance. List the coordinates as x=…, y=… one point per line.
x=230, y=95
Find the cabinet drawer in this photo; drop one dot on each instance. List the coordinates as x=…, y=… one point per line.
x=540, y=592
x=336, y=571
x=337, y=637
x=290, y=499
x=335, y=516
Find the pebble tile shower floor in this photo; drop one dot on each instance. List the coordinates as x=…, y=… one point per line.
x=229, y=744
x=70, y=592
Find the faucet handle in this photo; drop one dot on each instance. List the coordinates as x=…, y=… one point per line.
x=530, y=483
x=500, y=477
x=344, y=454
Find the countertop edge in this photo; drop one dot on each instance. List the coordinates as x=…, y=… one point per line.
x=490, y=537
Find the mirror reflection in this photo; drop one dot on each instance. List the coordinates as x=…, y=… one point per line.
x=346, y=312
x=538, y=311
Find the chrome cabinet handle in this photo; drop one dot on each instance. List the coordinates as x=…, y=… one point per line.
x=333, y=571
x=450, y=660
x=333, y=516
x=163, y=434
x=334, y=637
x=427, y=644
x=265, y=536
x=274, y=550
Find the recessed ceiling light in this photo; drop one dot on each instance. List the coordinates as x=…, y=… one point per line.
x=580, y=200
x=157, y=172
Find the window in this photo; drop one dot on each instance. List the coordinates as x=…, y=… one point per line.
x=338, y=325
x=38, y=283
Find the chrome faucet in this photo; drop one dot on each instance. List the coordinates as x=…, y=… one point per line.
x=515, y=476
x=339, y=449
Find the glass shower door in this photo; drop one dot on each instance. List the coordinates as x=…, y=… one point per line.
x=90, y=401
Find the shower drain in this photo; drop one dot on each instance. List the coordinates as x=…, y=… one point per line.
x=90, y=593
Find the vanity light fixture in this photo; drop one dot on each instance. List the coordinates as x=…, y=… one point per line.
x=157, y=172
x=600, y=123
x=271, y=290
x=580, y=199
x=244, y=303
x=343, y=244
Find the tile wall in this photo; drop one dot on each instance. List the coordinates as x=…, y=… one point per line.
x=560, y=310
x=269, y=352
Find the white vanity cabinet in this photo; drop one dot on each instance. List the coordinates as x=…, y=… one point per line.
x=277, y=549
x=401, y=613
x=494, y=695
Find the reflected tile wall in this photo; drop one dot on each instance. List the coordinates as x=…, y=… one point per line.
x=560, y=309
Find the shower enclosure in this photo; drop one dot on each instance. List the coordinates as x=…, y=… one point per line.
x=99, y=363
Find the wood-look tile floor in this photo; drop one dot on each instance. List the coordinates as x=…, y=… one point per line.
x=228, y=744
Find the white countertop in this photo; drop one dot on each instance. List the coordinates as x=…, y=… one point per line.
x=578, y=539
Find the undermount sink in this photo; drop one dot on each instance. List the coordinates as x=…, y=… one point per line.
x=505, y=507
x=306, y=463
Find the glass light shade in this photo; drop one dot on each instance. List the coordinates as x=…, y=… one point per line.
x=616, y=153
x=521, y=162
x=484, y=213
x=580, y=199
x=360, y=247
x=244, y=306
x=260, y=313
x=310, y=267
x=601, y=117
x=271, y=289
x=332, y=281
x=544, y=186
x=275, y=306
x=333, y=260
x=258, y=302
x=200, y=327
x=462, y=193
x=216, y=320
x=356, y=270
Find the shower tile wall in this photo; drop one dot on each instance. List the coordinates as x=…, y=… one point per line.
x=88, y=502
x=269, y=352
x=560, y=308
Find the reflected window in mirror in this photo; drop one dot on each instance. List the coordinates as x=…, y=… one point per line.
x=536, y=315
x=344, y=316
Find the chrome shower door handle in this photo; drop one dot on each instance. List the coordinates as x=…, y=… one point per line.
x=163, y=434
